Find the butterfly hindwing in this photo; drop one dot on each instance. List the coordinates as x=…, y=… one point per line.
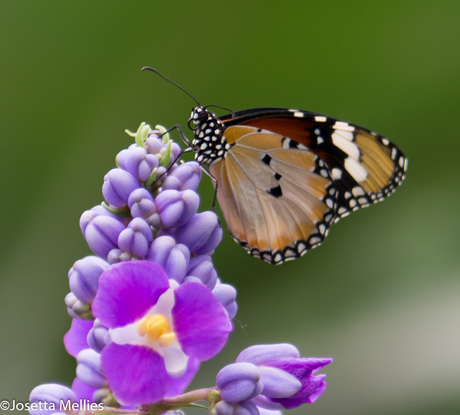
x=277, y=200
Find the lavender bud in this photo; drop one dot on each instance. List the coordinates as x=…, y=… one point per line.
x=176, y=208
x=240, y=408
x=84, y=276
x=117, y=255
x=136, y=238
x=118, y=185
x=102, y=233
x=88, y=369
x=98, y=337
x=201, y=267
x=137, y=162
x=172, y=257
x=201, y=234
x=46, y=399
x=153, y=144
x=226, y=295
x=239, y=382
x=77, y=309
x=99, y=210
x=186, y=176
x=141, y=204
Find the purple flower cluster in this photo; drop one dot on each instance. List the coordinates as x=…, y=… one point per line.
x=148, y=306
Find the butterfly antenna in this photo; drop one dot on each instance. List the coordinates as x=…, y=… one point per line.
x=222, y=108
x=148, y=68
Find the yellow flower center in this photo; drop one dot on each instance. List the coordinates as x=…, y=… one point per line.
x=156, y=328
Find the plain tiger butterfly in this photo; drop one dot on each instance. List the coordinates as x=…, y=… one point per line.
x=284, y=176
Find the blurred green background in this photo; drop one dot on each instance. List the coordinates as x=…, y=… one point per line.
x=381, y=295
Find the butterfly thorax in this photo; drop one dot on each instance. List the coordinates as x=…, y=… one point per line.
x=209, y=142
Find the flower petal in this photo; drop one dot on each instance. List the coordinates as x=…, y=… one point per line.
x=176, y=386
x=200, y=321
x=75, y=338
x=127, y=290
x=136, y=374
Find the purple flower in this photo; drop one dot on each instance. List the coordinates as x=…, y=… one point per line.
x=82, y=390
x=239, y=408
x=176, y=208
x=183, y=177
x=202, y=268
x=141, y=204
x=137, y=162
x=288, y=379
x=83, y=277
x=48, y=399
x=75, y=340
x=239, y=382
x=118, y=185
x=135, y=239
x=88, y=369
x=172, y=257
x=201, y=234
x=101, y=233
x=158, y=330
x=98, y=337
x=226, y=295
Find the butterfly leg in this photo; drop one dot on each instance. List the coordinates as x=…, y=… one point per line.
x=216, y=183
x=182, y=136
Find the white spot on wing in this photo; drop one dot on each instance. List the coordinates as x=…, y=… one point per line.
x=346, y=146
x=320, y=118
x=340, y=125
x=358, y=172
x=298, y=114
x=336, y=173
x=345, y=134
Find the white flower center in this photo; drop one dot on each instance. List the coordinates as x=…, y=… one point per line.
x=156, y=330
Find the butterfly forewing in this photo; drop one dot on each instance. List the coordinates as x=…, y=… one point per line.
x=278, y=201
x=365, y=166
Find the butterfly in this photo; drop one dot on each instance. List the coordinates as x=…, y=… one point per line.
x=284, y=176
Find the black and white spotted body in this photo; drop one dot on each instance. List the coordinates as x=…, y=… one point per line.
x=209, y=142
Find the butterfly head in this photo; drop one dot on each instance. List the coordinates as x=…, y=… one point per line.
x=209, y=142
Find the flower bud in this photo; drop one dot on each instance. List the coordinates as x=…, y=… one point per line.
x=88, y=369
x=136, y=238
x=226, y=295
x=136, y=161
x=176, y=208
x=153, y=144
x=201, y=234
x=202, y=268
x=98, y=336
x=172, y=257
x=288, y=379
x=48, y=398
x=84, y=275
x=117, y=255
x=183, y=177
x=239, y=382
x=99, y=210
x=77, y=309
x=102, y=233
x=240, y=408
x=118, y=185
x=141, y=204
